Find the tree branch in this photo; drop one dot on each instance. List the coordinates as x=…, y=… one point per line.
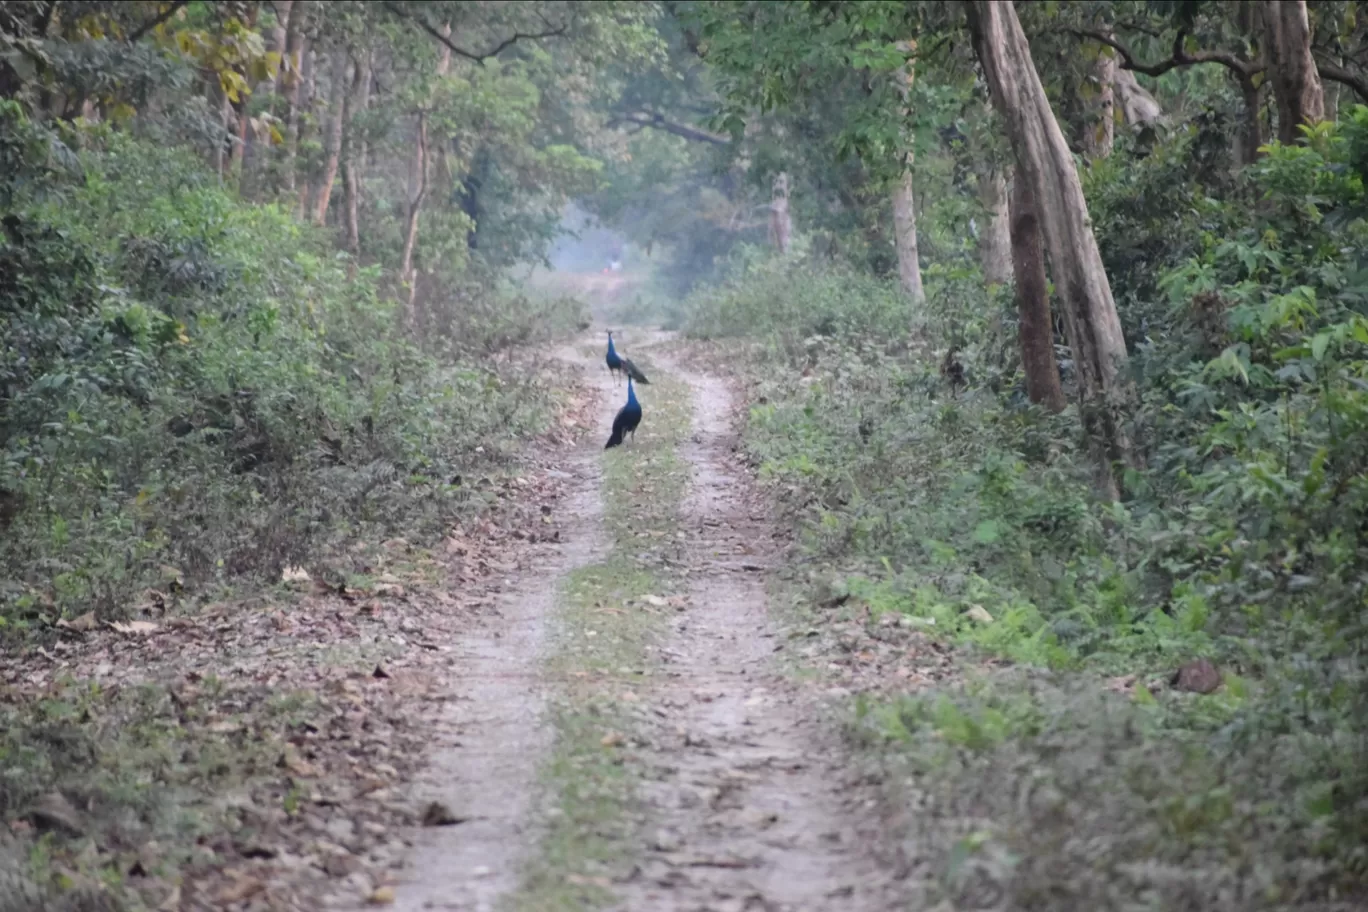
x=146, y=27
x=551, y=32
x=1178, y=58
x=1336, y=73
x=656, y=121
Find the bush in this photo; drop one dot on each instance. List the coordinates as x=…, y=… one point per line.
x=194, y=389
x=1241, y=543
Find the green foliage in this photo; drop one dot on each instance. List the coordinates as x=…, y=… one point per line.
x=971, y=516
x=193, y=388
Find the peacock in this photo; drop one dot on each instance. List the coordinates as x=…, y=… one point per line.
x=618, y=363
x=628, y=417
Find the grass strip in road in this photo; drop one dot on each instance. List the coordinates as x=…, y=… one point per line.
x=609, y=615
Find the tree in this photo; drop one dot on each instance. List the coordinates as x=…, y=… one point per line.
x=1296, y=82
x=1046, y=165
x=1036, y=328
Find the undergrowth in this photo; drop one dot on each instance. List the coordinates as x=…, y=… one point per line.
x=196, y=391
x=1076, y=775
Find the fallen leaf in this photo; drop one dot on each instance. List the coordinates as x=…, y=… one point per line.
x=242, y=889
x=82, y=624
x=978, y=614
x=295, y=575
x=654, y=601
x=612, y=739
x=382, y=896
x=437, y=814
x=132, y=627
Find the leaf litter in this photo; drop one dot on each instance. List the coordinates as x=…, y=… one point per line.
x=289, y=725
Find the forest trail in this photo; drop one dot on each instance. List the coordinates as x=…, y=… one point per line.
x=741, y=800
x=486, y=753
x=751, y=806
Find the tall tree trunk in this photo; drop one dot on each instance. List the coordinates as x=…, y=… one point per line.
x=1138, y=107
x=1046, y=165
x=354, y=148
x=1101, y=133
x=306, y=104
x=1036, y=331
x=256, y=155
x=290, y=81
x=418, y=185
x=905, y=236
x=1296, y=81
x=416, y=192
x=904, y=196
x=1251, y=136
x=337, y=105
x=780, y=221
x=994, y=241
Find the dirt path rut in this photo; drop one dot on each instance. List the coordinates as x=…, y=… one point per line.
x=752, y=807
x=487, y=751
x=747, y=805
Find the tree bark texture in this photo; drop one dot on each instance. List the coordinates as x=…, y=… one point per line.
x=306, y=103
x=1046, y=165
x=781, y=221
x=1036, y=332
x=994, y=241
x=1296, y=82
x=338, y=88
x=290, y=81
x=418, y=186
x=1101, y=134
x=905, y=236
x=1138, y=107
x=354, y=148
x=904, y=197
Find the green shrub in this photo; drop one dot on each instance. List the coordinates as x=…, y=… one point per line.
x=193, y=388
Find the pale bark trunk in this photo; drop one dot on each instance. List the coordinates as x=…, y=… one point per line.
x=781, y=222
x=337, y=95
x=306, y=100
x=1296, y=81
x=905, y=237
x=1036, y=329
x=418, y=186
x=226, y=121
x=1045, y=163
x=417, y=191
x=1101, y=134
x=904, y=196
x=290, y=81
x=355, y=149
x=1138, y=107
x=994, y=241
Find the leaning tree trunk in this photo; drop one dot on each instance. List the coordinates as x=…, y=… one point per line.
x=1101, y=133
x=781, y=221
x=337, y=105
x=1046, y=165
x=418, y=186
x=1296, y=81
x=354, y=148
x=1036, y=331
x=1138, y=107
x=994, y=241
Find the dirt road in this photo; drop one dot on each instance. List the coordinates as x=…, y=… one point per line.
x=740, y=799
